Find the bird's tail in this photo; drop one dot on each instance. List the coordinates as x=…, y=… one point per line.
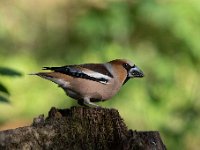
x=46, y=75
x=32, y=74
x=54, y=77
x=46, y=68
x=43, y=74
x=49, y=68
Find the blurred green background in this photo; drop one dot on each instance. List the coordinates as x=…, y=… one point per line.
x=161, y=36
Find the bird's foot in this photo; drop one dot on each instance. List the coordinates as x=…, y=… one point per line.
x=87, y=103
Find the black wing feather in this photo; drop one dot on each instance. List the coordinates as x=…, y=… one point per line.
x=75, y=72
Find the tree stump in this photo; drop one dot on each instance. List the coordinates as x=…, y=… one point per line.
x=80, y=128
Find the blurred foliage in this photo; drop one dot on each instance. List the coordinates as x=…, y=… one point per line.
x=9, y=72
x=4, y=93
x=161, y=37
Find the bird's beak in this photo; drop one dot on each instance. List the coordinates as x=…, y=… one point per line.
x=135, y=72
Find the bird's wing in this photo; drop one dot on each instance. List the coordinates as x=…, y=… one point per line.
x=94, y=72
x=99, y=68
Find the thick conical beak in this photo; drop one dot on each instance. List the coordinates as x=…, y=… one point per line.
x=135, y=72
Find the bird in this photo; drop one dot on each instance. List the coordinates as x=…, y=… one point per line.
x=92, y=82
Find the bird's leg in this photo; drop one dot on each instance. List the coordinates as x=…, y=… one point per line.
x=87, y=102
x=80, y=102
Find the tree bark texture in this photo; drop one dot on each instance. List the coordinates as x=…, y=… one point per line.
x=80, y=128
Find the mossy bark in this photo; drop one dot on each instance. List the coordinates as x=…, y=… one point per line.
x=80, y=128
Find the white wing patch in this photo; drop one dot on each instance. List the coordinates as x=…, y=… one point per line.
x=98, y=75
x=104, y=82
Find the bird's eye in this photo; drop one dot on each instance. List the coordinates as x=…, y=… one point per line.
x=127, y=66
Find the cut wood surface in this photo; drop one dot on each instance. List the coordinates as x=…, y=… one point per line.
x=80, y=128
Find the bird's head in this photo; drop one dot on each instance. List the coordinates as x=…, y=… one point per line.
x=132, y=70
x=126, y=69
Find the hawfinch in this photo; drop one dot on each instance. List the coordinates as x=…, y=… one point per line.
x=88, y=83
